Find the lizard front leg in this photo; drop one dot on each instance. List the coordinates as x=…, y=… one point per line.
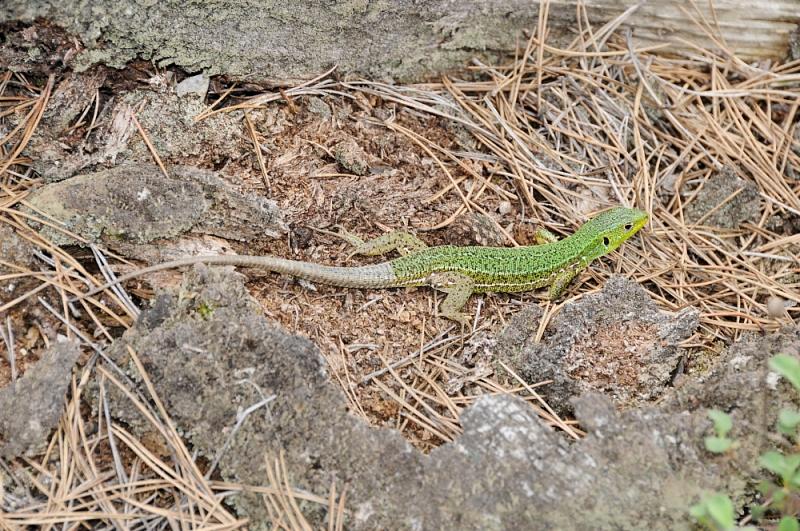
x=561, y=281
x=458, y=288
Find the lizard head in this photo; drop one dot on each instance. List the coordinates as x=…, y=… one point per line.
x=609, y=230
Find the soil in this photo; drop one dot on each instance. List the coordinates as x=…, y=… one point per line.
x=369, y=389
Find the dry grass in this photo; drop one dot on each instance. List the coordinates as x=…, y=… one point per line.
x=109, y=479
x=567, y=157
x=96, y=477
x=556, y=135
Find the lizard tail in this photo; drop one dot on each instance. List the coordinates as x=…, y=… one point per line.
x=371, y=276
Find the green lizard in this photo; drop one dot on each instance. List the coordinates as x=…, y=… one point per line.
x=457, y=271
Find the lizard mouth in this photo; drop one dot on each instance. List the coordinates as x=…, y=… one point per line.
x=639, y=222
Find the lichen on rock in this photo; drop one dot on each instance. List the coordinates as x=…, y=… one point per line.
x=617, y=342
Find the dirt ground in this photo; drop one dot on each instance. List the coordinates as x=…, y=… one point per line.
x=709, y=148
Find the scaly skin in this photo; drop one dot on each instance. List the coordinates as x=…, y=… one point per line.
x=457, y=271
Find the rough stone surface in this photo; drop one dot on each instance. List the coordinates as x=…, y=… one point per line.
x=513, y=473
x=194, y=85
x=31, y=406
x=351, y=156
x=616, y=341
x=60, y=150
x=745, y=206
x=135, y=204
x=169, y=120
x=269, y=40
x=57, y=148
x=641, y=467
x=319, y=107
x=211, y=355
x=71, y=97
x=18, y=252
x=14, y=250
x=403, y=39
x=209, y=369
x=475, y=228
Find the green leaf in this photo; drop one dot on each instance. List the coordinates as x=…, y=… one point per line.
x=788, y=420
x=718, y=445
x=774, y=462
x=766, y=487
x=698, y=511
x=792, y=462
x=757, y=512
x=788, y=367
x=720, y=507
x=778, y=498
x=722, y=422
x=789, y=523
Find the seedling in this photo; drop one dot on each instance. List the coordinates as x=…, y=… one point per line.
x=716, y=511
x=722, y=426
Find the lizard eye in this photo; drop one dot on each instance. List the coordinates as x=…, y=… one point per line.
x=628, y=226
x=606, y=241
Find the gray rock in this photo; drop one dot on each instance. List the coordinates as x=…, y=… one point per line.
x=745, y=206
x=319, y=107
x=351, y=156
x=135, y=204
x=640, y=468
x=14, y=249
x=58, y=150
x=31, y=406
x=616, y=341
x=194, y=85
x=211, y=355
x=215, y=355
x=171, y=127
x=278, y=41
x=514, y=473
x=474, y=228
x=19, y=252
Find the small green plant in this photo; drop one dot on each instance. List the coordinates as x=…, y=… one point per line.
x=205, y=310
x=788, y=421
x=788, y=367
x=788, y=523
x=716, y=511
x=722, y=426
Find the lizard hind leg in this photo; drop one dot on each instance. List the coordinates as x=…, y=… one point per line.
x=543, y=236
x=401, y=241
x=458, y=288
